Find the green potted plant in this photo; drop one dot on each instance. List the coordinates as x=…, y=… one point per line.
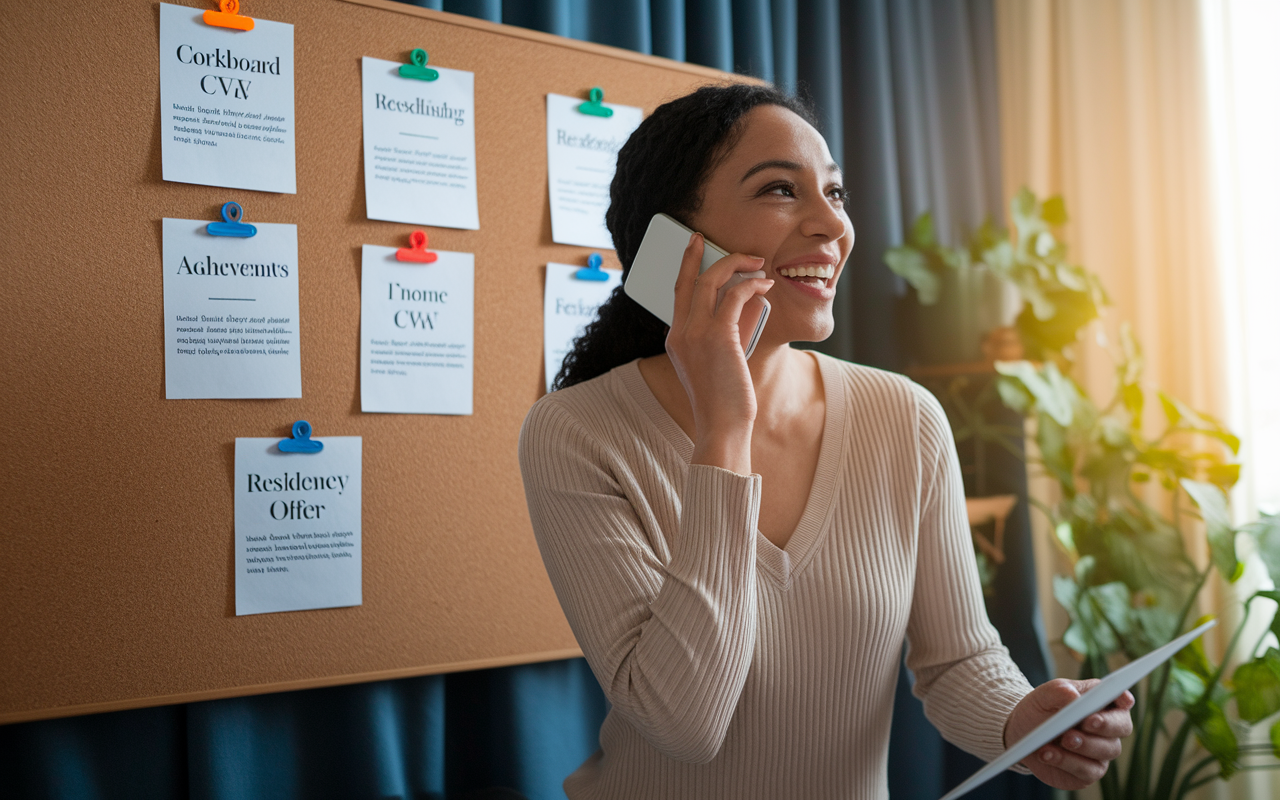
x=1128, y=502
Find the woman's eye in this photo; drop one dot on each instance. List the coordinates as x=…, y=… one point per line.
x=838, y=193
x=780, y=189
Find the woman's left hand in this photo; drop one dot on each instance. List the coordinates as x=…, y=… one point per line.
x=1081, y=755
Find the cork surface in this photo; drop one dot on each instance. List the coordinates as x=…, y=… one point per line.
x=116, y=582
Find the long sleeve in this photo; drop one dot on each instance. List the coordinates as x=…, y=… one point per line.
x=669, y=637
x=738, y=670
x=964, y=675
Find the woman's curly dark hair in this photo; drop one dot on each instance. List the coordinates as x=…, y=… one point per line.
x=661, y=168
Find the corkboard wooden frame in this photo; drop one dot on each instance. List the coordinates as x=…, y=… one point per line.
x=117, y=579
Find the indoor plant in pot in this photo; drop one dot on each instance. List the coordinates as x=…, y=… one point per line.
x=1128, y=503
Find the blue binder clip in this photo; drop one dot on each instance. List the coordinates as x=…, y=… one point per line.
x=231, y=225
x=301, y=441
x=592, y=271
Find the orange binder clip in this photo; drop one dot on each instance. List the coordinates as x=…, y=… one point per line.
x=228, y=17
x=417, y=250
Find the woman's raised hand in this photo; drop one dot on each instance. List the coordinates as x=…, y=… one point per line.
x=705, y=346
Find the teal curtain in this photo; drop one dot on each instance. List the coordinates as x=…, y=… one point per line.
x=905, y=93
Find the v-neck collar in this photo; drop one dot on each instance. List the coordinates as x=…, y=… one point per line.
x=780, y=564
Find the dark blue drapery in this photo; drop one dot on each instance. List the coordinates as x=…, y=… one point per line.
x=905, y=92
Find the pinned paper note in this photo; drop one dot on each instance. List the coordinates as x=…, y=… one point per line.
x=569, y=304
x=582, y=152
x=298, y=539
x=226, y=102
x=230, y=311
x=416, y=332
x=420, y=145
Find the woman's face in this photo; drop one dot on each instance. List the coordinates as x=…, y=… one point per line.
x=779, y=195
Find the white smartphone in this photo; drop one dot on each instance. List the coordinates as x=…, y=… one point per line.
x=652, y=279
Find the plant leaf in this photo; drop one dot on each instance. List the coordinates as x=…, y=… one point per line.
x=1134, y=398
x=954, y=257
x=1226, y=437
x=1275, y=739
x=1088, y=633
x=1270, y=594
x=1023, y=209
x=1217, y=521
x=1066, y=593
x=1051, y=438
x=1171, y=410
x=1155, y=626
x=1014, y=395
x=1084, y=568
x=999, y=258
x=1185, y=687
x=1054, y=318
x=1179, y=412
x=912, y=266
x=1257, y=687
x=1054, y=210
x=1266, y=532
x=1215, y=735
x=1223, y=475
x=1113, y=602
x=922, y=231
x=1053, y=392
x=1072, y=277
x=1132, y=360
x=1063, y=531
x=1114, y=432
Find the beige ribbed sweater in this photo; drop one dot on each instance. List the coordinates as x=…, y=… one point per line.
x=738, y=670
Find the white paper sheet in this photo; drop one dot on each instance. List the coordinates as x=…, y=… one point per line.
x=568, y=305
x=582, y=152
x=297, y=526
x=416, y=333
x=230, y=313
x=226, y=102
x=419, y=146
x=1103, y=694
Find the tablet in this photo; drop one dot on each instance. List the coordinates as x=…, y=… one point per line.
x=1096, y=699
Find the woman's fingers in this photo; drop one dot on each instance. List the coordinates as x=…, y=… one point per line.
x=1113, y=721
x=1099, y=748
x=700, y=292
x=687, y=277
x=1075, y=767
x=736, y=297
x=707, y=291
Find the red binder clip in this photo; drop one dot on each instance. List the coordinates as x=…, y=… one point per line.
x=417, y=250
x=228, y=17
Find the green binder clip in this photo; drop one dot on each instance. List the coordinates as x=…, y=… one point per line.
x=418, y=70
x=595, y=104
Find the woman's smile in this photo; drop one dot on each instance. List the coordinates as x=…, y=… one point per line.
x=814, y=274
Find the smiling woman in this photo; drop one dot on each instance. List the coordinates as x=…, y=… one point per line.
x=743, y=546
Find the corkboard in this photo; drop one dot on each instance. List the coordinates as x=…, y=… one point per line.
x=116, y=581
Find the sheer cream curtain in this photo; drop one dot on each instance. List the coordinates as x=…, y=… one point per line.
x=1109, y=102
x=1244, y=91
x=1243, y=69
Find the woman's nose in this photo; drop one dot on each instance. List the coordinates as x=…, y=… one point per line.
x=823, y=219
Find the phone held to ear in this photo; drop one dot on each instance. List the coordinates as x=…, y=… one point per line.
x=652, y=279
